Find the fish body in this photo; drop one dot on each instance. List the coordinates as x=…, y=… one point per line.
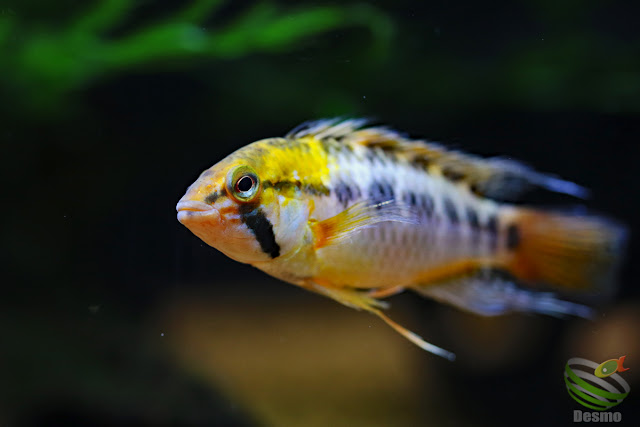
x=359, y=213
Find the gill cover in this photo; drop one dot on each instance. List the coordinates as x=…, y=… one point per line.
x=259, y=223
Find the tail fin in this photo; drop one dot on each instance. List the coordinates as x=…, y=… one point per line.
x=567, y=252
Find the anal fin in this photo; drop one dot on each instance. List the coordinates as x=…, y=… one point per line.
x=493, y=296
x=385, y=292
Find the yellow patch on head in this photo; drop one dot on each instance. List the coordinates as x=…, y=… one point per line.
x=289, y=165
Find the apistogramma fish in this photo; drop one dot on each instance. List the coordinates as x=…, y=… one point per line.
x=360, y=213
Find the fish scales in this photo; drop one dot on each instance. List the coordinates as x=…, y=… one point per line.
x=396, y=252
x=359, y=213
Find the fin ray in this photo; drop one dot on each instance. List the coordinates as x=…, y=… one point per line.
x=362, y=301
x=572, y=252
x=357, y=217
x=494, y=296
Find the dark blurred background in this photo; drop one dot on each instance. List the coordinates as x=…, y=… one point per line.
x=112, y=313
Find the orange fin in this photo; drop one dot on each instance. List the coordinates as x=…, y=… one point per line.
x=385, y=292
x=355, y=218
x=566, y=251
x=362, y=301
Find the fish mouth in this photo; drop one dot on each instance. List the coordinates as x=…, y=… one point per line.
x=191, y=210
x=193, y=206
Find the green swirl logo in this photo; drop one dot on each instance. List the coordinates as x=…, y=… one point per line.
x=601, y=391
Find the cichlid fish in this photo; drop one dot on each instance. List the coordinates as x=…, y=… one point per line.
x=360, y=213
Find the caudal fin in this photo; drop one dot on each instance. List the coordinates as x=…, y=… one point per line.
x=568, y=252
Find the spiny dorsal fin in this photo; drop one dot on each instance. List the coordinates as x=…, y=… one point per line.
x=491, y=177
x=334, y=128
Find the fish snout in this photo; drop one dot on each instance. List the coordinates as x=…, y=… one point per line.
x=193, y=210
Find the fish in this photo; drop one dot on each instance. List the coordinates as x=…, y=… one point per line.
x=358, y=213
x=610, y=367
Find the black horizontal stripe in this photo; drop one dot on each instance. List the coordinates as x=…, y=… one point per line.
x=312, y=189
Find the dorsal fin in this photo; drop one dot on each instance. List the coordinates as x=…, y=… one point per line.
x=494, y=177
x=334, y=128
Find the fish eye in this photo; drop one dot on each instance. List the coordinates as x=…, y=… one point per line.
x=243, y=184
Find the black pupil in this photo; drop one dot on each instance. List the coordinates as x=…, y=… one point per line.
x=244, y=184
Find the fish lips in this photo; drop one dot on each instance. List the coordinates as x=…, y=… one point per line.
x=192, y=210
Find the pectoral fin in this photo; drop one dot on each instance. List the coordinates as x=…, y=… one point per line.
x=362, y=301
x=357, y=217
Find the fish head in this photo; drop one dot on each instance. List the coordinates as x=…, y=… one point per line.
x=234, y=207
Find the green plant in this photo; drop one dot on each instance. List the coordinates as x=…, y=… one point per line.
x=43, y=65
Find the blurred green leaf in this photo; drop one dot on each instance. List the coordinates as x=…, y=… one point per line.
x=49, y=64
x=264, y=28
x=199, y=10
x=6, y=25
x=103, y=16
x=170, y=41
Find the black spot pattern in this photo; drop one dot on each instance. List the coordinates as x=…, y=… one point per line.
x=410, y=199
x=492, y=225
x=380, y=191
x=492, y=228
x=513, y=237
x=211, y=198
x=423, y=203
x=421, y=163
x=371, y=155
x=450, y=211
x=346, y=193
x=472, y=217
x=453, y=175
x=426, y=204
